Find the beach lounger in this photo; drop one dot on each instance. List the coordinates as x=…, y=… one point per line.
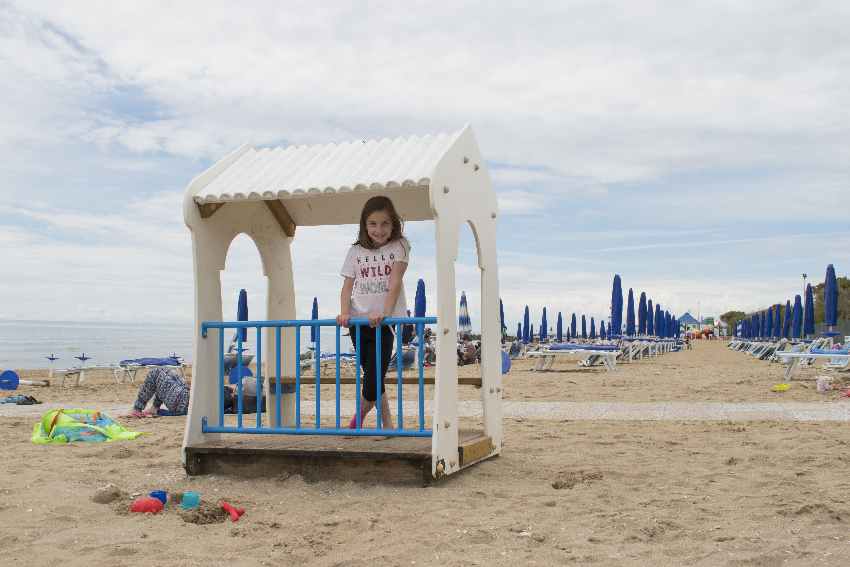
x=840, y=358
x=129, y=367
x=607, y=354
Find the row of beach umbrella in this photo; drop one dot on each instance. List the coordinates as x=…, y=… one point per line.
x=645, y=320
x=794, y=321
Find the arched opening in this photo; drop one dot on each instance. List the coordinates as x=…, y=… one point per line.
x=243, y=269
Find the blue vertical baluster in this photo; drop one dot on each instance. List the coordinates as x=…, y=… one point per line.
x=398, y=363
x=337, y=376
x=277, y=371
x=297, y=376
x=259, y=378
x=357, y=377
x=379, y=336
x=221, y=377
x=239, y=376
x=420, y=329
x=317, y=358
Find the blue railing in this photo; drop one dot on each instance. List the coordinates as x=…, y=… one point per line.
x=317, y=429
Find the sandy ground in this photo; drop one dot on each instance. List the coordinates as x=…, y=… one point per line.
x=757, y=493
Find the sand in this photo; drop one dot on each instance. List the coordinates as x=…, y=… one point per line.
x=564, y=492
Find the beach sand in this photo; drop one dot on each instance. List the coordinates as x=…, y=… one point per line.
x=564, y=492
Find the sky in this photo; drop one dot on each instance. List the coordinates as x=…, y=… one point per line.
x=700, y=151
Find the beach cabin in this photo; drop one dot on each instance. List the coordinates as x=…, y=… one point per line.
x=266, y=194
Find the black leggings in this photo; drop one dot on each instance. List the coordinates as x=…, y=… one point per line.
x=367, y=357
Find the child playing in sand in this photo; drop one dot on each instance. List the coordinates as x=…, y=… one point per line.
x=372, y=288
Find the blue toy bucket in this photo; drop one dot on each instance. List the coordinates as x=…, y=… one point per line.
x=9, y=380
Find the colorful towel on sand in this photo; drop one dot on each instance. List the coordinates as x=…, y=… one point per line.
x=69, y=425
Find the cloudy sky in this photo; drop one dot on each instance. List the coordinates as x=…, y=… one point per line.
x=700, y=151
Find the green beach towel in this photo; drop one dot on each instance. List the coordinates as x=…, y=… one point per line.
x=69, y=425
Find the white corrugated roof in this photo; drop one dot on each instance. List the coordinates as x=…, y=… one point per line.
x=293, y=171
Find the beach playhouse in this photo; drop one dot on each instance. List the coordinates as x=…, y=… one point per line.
x=266, y=194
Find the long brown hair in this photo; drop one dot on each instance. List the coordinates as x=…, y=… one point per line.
x=373, y=205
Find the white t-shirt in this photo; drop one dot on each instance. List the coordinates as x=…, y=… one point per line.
x=371, y=271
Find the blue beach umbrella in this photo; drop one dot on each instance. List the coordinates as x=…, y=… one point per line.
x=314, y=314
x=786, y=323
x=777, y=321
x=769, y=322
x=650, y=315
x=559, y=328
x=242, y=312
x=544, y=327
x=573, y=327
x=642, y=314
x=830, y=300
x=583, y=327
x=592, y=328
x=531, y=333
x=526, y=326
x=519, y=331
x=658, y=322
x=809, y=312
x=617, y=305
x=602, y=329
x=797, y=318
x=668, y=324
x=419, y=303
x=630, y=314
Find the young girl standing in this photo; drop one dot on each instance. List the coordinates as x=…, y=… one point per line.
x=372, y=288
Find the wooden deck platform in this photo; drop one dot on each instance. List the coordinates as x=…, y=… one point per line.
x=385, y=460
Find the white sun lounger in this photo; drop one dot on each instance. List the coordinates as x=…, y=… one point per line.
x=546, y=358
x=796, y=359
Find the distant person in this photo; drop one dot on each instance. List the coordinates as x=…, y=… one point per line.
x=372, y=287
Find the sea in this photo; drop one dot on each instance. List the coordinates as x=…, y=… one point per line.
x=27, y=344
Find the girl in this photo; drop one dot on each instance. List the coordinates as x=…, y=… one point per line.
x=372, y=288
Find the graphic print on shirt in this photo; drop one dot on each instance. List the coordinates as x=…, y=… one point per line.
x=373, y=273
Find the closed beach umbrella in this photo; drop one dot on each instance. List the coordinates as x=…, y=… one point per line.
x=641, y=314
x=531, y=333
x=830, y=300
x=630, y=314
x=464, y=323
x=592, y=328
x=559, y=328
x=242, y=312
x=544, y=327
x=314, y=314
x=573, y=327
x=503, y=329
x=668, y=324
x=769, y=322
x=583, y=327
x=650, y=323
x=526, y=321
x=797, y=318
x=786, y=323
x=419, y=303
x=658, y=320
x=617, y=305
x=519, y=331
x=777, y=321
x=602, y=333
x=809, y=312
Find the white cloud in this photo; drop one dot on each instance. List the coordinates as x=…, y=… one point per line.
x=611, y=115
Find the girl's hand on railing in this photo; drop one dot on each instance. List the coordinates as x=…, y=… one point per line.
x=375, y=318
x=342, y=319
